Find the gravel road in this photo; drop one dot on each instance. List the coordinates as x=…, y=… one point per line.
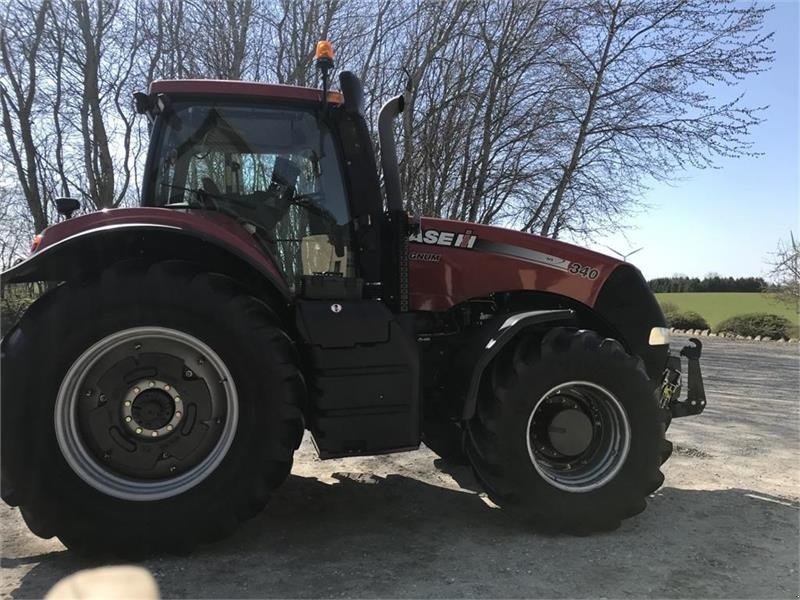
x=724, y=525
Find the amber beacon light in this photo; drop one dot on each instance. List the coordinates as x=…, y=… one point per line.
x=324, y=61
x=324, y=50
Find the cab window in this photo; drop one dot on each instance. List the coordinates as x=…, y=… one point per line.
x=275, y=170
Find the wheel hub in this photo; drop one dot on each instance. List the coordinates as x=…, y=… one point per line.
x=570, y=432
x=152, y=409
x=126, y=429
x=578, y=436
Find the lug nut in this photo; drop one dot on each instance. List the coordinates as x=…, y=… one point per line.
x=135, y=390
x=128, y=419
x=137, y=347
x=127, y=402
x=178, y=414
x=169, y=427
x=151, y=384
x=102, y=398
x=154, y=434
x=166, y=386
x=138, y=430
x=188, y=373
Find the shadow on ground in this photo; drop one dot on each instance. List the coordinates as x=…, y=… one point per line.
x=397, y=536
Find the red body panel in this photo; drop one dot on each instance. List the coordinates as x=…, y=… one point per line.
x=465, y=260
x=442, y=275
x=249, y=89
x=205, y=224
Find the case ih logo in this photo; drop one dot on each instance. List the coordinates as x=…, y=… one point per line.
x=445, y=238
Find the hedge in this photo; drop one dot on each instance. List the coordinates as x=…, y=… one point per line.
x=686, y=320
x=753, y=324
x=682, y=320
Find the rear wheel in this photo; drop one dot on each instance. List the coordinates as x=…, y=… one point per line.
x=150, y=408
x=568, y=433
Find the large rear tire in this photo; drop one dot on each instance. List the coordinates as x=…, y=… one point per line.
x=149, y=408
x=568, y=434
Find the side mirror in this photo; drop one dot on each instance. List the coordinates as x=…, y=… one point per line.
x=66, y=206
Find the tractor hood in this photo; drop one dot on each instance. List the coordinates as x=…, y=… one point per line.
x=453, y=261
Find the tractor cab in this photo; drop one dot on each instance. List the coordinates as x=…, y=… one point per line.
x=295, y=167
x=271, y=163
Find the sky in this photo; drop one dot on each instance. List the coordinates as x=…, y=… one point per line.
x=728, y=220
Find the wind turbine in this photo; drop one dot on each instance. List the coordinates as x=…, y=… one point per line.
x=624, y=257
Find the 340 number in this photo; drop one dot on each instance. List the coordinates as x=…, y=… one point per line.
x=583, y=270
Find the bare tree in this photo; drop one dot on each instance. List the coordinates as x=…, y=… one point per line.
x=638, y=78
x=785, y=271
x=551, y=116
x=21, y=33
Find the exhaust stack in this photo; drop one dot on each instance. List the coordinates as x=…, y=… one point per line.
x=391, y=171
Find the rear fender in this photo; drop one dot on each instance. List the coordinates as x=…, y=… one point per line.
x=94, y=249
x=487, y=343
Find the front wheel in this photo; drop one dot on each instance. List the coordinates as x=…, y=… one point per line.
x=568, y=433
x=150, y=408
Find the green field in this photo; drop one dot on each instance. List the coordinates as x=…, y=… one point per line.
x=718, y=306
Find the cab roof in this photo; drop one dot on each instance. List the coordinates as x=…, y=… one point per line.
x=247, y=89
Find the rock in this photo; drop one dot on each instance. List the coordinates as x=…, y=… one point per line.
x=749, y=337
x=793, y=340
x=739, y=337
x=704, y=332
x=757, y=338
x=781, y=341
x=712, y=334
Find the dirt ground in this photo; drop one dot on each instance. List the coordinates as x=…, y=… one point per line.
x=725, y=524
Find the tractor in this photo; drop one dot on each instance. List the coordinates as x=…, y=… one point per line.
x=272, y=282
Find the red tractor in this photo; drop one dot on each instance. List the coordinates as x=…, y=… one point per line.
x=154, y=397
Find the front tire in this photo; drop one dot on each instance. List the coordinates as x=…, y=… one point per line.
x=149, y=408
x=568, y=434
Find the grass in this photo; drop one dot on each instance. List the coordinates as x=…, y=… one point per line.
x=718, y=306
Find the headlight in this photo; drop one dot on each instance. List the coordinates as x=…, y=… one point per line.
x=659, y=336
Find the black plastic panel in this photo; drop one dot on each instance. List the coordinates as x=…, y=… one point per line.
x=363, y=379
x=328, y=287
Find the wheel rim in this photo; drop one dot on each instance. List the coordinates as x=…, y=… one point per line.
x=146, y=413
x=578, y=436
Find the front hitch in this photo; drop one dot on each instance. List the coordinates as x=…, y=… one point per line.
x=695, y=400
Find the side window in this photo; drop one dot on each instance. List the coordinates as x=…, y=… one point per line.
x=272, y=168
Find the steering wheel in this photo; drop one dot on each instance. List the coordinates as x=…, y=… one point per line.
x=313, y=203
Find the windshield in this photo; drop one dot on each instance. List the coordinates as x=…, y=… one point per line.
x=273, y=169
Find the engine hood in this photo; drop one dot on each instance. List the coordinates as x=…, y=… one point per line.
x=453, y=261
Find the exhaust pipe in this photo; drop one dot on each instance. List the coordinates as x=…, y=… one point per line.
x=391, y=170
x=396, y=260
